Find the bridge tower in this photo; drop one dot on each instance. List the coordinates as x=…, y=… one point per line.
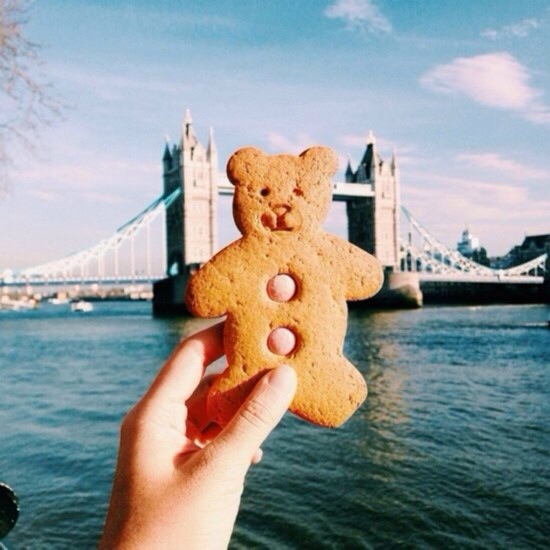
x=373, y=222
x=191, y=227
x=373, y=225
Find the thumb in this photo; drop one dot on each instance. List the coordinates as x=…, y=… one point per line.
x=258, y=415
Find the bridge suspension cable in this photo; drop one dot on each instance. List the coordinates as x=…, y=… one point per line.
x=432, y=259
x=435, y=261
x=76, y=266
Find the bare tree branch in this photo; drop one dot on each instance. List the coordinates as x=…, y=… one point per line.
x=27, y=102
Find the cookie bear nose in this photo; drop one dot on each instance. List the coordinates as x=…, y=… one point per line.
x=281, y=209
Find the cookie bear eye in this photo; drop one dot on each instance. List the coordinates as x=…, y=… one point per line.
x=264, y=192
x=298, y=192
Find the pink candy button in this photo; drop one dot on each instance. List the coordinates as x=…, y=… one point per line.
x=281, y=341
x=281, y=288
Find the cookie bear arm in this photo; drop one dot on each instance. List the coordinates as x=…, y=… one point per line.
x=210, y=290
x=361, y=271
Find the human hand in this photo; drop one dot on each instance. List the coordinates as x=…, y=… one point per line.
x=178, y=482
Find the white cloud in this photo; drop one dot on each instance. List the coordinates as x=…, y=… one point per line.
x=538, y=113
x=406, y=154
x=499, y=213
x=283, y=144
x=45, y=196
x=518, y=30
x=495, y=161
x=110, y=86
x=279, y=143
x=103, y=198
x=496, y=80
x=359, y=14
x=385, y=146
x=104, y=181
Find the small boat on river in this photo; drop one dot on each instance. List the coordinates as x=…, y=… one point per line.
x=82, y=307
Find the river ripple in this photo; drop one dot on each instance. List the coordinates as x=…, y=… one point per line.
x=450, y=450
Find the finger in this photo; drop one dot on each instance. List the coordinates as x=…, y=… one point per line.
x=204, y=436
x=261, y=412
x=196, y=404
x=183, y=370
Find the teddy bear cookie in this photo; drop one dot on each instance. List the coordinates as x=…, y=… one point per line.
x=283, y=286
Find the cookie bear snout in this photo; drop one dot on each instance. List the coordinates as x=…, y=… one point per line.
x=280, y=210
x=280, y=217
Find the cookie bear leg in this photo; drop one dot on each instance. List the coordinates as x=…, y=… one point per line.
x=330, y=404
x=317, y=398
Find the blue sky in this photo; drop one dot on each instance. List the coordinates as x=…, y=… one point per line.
x=460, y=90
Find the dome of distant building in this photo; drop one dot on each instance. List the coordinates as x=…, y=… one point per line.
x=468, y=244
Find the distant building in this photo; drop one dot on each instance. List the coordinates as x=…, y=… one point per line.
x=470, y=248
x=532, y=247
x=468, y=245
x=500, y=262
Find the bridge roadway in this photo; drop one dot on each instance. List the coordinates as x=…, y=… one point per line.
x=60, y=272
x=341, y=191
x=473, y=278
x=73, y=280
x=18, y=281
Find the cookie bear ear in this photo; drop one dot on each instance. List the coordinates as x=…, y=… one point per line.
x=243, y=163
x=322, y=159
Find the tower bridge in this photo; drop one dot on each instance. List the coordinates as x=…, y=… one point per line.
x=186, y=213
x=371, y=194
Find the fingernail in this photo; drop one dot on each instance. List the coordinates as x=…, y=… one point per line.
x=256, y=459
x=283, y=378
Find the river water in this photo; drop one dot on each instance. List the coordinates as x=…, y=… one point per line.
x=451, y=449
